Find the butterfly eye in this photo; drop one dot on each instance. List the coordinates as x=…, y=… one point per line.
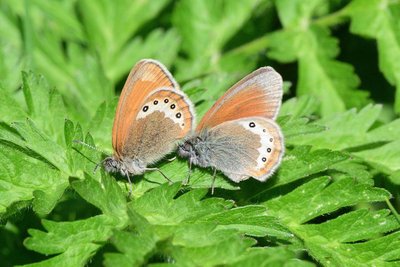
x=187, y=146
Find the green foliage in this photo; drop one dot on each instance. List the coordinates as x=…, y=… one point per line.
x=62, y=64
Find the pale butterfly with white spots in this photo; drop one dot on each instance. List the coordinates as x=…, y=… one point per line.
x=239, y=135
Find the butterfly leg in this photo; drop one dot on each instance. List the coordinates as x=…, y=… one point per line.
x=171, y=159
x=186, y=181
x=130, y=184
x=157, y=169
x=213, y=181
x=96, y=167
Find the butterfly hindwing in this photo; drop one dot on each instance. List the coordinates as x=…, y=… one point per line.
x=250, y=147
x=145, y=77
x=164, y=117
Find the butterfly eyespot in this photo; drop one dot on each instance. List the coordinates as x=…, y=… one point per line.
x=178, y=115
x=264, y=130
x=155, y=102
x=252, y=124
x=269, y=150
x=166, y=100
x=145, y=108
x=172, y=106
x=264, y=159
x=271, y=139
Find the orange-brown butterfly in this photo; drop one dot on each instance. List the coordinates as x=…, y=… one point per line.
x=238, y=135
x=152, y=115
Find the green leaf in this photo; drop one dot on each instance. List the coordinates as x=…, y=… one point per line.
x=302, y=162
x=156, y=205
x=111, y=40
x=354, y=168
x=177, y=171
x=136, y=247
x=190, y=229
x=377, y=20
x=33, y=156
x=10, y=109
x=17, y=184
x=229, y=247
x=160, y=45
x=332, y=82
x=44, y=104
x=270, y=256
x=299, y=106
x=327, y=242
x=298, y=127
x=64, y=21
x=355, y=132
x=322, y=198
x=11, y=57
x=205, y=26
x=100, y=193
x=79, y=255
x=250, y=220
x=345, y=130
x=355, y=226
x=75, y=242
x=385, y=158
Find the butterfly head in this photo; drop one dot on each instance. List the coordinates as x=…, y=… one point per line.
x=195, y=149
x=111, y=164
x=125, y=167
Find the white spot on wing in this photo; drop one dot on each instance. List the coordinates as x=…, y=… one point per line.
x=264, y=138
x=164, y=108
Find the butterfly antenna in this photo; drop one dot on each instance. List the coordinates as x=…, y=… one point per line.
x=213, y=181
x=90, y=146
x=93, y=148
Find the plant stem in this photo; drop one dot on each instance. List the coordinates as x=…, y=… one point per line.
x=393, y=210
x=332, y=19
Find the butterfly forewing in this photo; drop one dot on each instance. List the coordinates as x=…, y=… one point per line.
x=145, y=77
x=259, y=94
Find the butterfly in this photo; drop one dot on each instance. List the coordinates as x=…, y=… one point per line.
x=238, y=135
x=152, y=115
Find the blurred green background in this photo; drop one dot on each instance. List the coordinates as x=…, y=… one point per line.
x=333, y=55
x=340, y=52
